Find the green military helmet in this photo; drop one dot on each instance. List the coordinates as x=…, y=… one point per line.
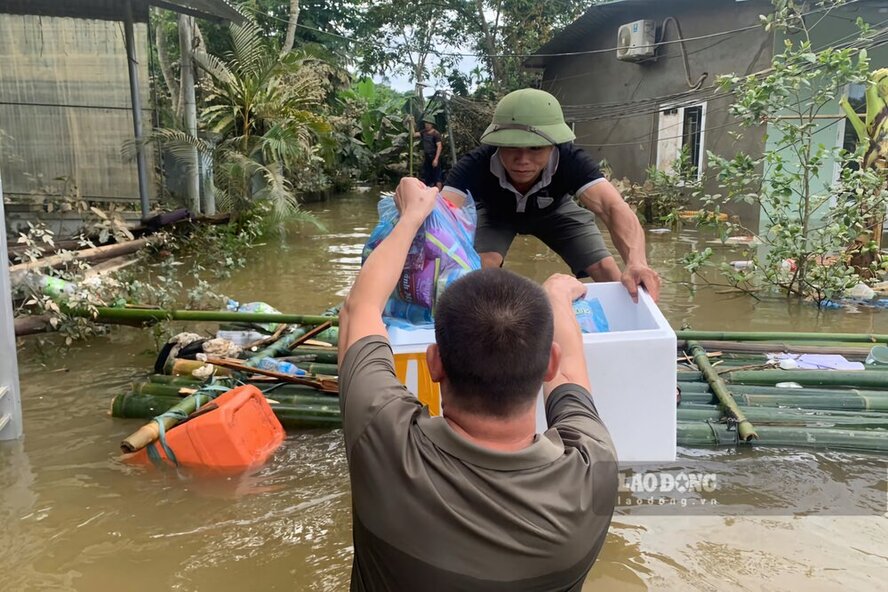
x=526, y=118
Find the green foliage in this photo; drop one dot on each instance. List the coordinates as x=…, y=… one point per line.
x=264, y=113
x=808, y=223
x=517, y=28
x=338, y=17
x=408, y=39
x=369, y=133
x=665, y=194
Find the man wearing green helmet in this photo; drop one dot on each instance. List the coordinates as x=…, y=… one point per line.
x=524, y=179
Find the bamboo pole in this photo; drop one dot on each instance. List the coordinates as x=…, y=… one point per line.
x=799, y=417
x=147, y=315
x=710, y=434
x=751, y=389
x=850, y=402
x=780, y=336
x=321, y=355
x=851, y=378
x=298, y=413
x=280, y=392
x=316, y=368
x=181, y=367
x=150, y=432
x=325, y=385
x=849, y=351
x=689, y=433
x=745, y=429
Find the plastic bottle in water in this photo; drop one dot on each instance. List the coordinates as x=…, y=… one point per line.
x=590, y=315
x=280, y=366
x=258, y=307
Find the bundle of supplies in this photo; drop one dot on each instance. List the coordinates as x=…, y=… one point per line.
x=442, y=252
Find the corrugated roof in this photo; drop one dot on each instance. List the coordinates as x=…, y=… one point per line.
x=115, y=9
x=578, y=31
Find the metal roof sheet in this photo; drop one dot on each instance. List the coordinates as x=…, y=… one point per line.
x=115, y=9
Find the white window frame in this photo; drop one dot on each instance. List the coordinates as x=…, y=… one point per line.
x=663, y=142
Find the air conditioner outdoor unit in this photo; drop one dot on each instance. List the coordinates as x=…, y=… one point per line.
x=637, y=41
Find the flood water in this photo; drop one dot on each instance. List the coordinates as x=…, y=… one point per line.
x=74, y=518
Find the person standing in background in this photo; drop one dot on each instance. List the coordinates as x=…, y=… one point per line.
x=432, y=145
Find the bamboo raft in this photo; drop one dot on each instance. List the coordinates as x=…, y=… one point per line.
x=728, y=392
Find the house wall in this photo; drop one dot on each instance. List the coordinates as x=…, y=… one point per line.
x=834, y=28
x=65, y=107
x=629, y=142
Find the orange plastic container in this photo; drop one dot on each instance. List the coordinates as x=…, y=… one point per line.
x=241, y=433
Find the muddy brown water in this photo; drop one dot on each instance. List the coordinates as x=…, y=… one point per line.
x=74, y=518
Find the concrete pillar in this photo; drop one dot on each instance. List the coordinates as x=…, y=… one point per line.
x=10, y=401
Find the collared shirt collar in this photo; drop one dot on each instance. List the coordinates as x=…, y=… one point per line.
x=545, y=448
x=499, y=171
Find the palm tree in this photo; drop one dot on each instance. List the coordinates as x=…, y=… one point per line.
x=263, y=105
x=263, y=109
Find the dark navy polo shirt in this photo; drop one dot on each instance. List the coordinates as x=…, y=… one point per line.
x=569, y=172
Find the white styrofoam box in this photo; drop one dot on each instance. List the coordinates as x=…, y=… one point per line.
x=632, y=374
x=631, y=371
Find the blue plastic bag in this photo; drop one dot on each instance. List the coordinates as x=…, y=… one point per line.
x=590, y=315
x=441, y=252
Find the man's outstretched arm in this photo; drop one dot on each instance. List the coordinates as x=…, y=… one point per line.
x=562, y=290
x=605, y=201
x=361, y=314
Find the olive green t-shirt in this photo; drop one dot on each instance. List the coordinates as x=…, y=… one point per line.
x=433, y=511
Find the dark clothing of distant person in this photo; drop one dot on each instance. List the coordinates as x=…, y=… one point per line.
x=430, y=139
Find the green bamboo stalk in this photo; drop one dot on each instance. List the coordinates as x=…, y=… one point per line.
x=714, y=434
x=694, y=433
x=746, y=430
x=323, y=369
x=186, y=381
x=847, y=403
x=764, y=416
x=219, y=316
x=298, y=414
x=150, y=432
x=877, y=380
x=321, y=355
x=281, y=347
x=857, y=352
x=850, y=402
x=745, y=389
x=287, y=392
x=779, y=336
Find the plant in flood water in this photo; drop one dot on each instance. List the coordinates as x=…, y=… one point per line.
x=665, y=194
x=178, y=271
x=807, y=218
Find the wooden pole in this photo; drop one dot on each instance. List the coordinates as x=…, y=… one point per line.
x=136, y=99
x=88, y=255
